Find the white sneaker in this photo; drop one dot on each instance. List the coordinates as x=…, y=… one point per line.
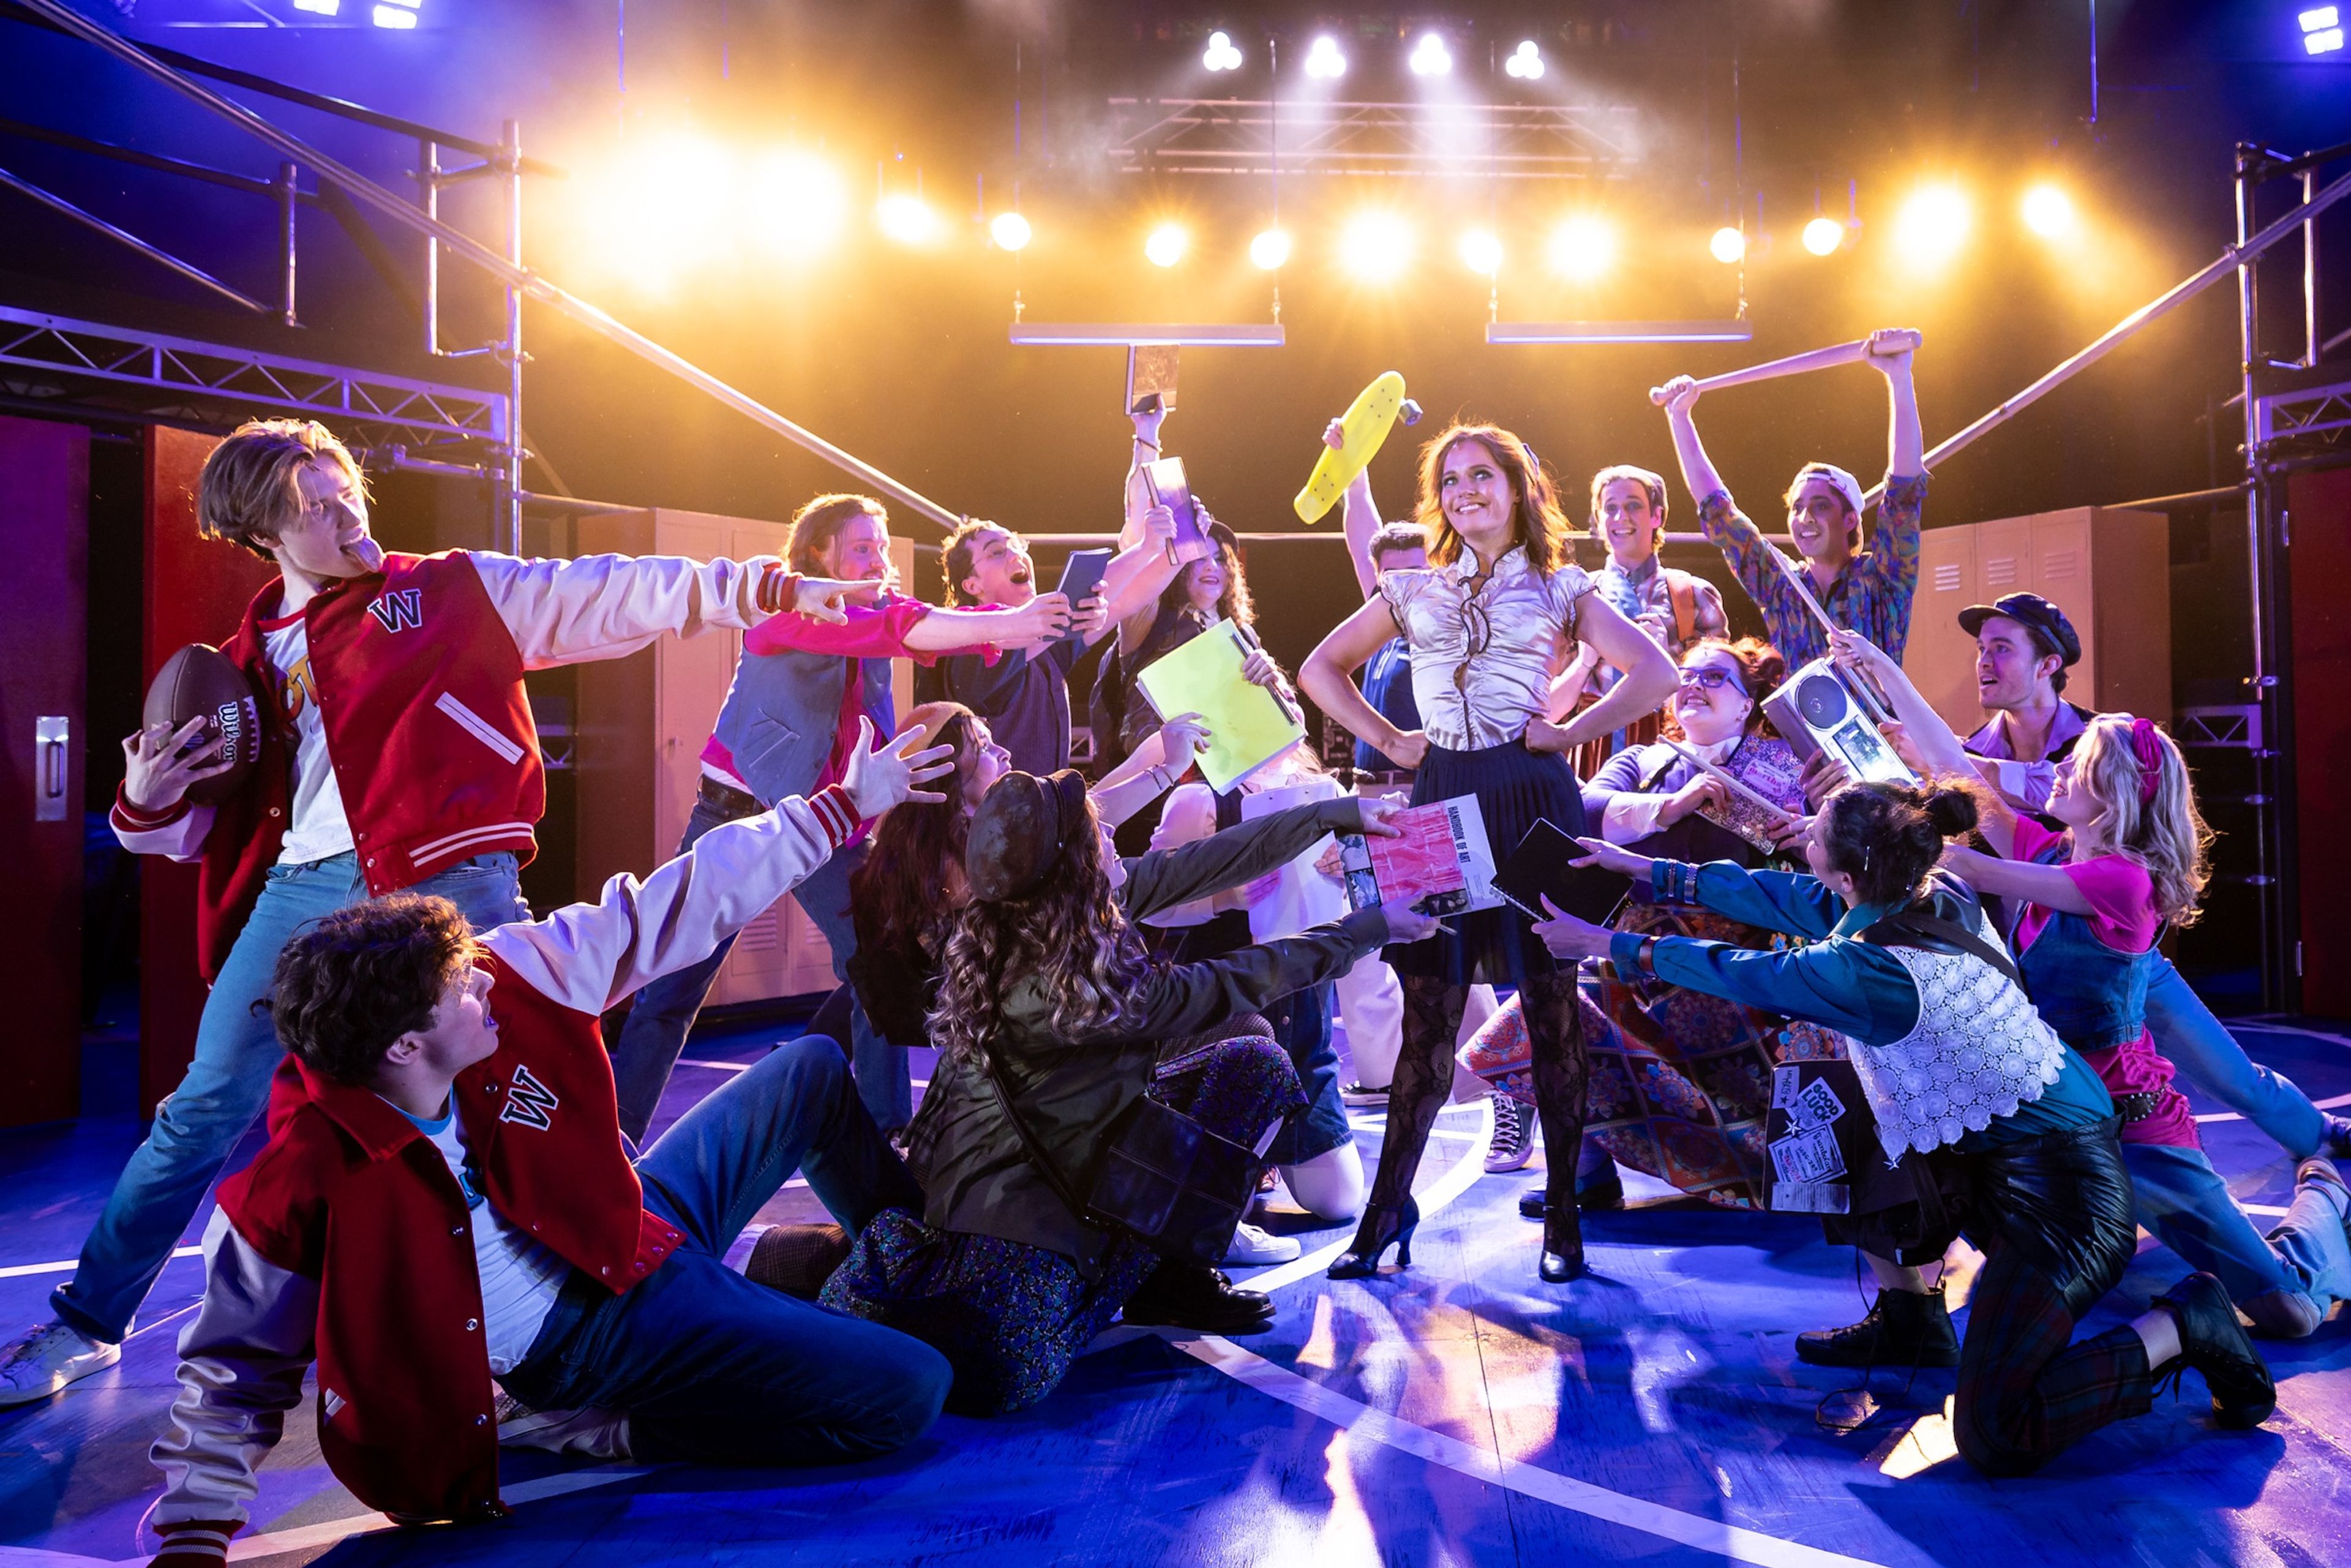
x=592, y=1434
x=1514, y=1133
x=1253, y=1248
x=47, y=1359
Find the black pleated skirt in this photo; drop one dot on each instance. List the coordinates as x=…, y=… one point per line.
x=1515, y=787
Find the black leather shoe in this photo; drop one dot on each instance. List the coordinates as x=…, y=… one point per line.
x=2213, y=1343
x=1563, y=1253
x=1904, y=1328
x=1194, y=1296
x=1382, y=1223
x=1530, y=1202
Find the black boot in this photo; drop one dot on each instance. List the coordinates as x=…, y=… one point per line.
x=1194, y=1296
x=1382, y=1223
x=1563, y=1253
x=1904, y=1328
x=2213, y=1343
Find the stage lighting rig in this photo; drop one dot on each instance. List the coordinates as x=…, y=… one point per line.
x=1430, y=58
x=1222, y=53
x=1482, y=253
x=1376, y=246
x=1166, y=244
x=1822, y=235
x=401, y=14
x=908, y=219
x=2322, y=30
x=1323, y=59
x=1270, y=249
x=1581, y=248
x=2048, y=211
x=1933, y=224
x=1008, y=230
x=1526, y=62
x=1726, y=245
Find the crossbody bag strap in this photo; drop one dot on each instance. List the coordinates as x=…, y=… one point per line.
x=1911, y=923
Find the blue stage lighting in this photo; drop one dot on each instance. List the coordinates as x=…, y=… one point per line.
x=2322, y=30
x=320, y=7
x=399, y=14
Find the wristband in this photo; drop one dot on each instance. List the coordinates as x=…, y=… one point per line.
x=1645, y=958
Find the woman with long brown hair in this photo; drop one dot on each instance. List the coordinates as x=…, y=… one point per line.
x=1488, y=621
x=1050, y=1010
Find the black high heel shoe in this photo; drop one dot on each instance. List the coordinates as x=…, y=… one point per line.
x=1563, y=1253
x=1382, y=1223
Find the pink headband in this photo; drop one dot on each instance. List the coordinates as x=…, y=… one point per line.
x=2149, y=752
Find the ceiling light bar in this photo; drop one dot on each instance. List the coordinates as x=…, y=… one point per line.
x=1522, y=332
x=1121, y=334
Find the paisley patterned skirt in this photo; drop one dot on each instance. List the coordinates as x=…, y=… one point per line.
x=1680, y=1080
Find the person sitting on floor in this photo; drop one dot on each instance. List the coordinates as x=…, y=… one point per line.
x=1050, y=1010
x=446, y=1198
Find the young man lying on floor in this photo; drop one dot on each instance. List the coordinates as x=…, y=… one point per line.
x=446, y=1198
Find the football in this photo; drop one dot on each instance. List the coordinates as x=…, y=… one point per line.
x=199, y=680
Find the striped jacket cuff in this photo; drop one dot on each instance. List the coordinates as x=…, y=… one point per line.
x=195, y=1541
x=779, y=589
x=834, y=814
x=130, y=817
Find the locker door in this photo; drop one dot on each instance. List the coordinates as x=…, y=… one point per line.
x=1940, y=658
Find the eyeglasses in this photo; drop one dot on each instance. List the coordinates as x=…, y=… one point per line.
x=1713, y=678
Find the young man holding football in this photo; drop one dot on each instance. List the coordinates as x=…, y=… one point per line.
x=404, y=757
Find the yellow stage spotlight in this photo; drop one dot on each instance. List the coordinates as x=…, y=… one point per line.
x=1726, y=245
x=908, y=219
x=1166, y=245
x=1932, y=225
x=798, y=203
x=667, y=204
x=1583, y=248
x=1822, y=235
x=1270, y=249
x=2048, y=211
x=1481, y=252
x=1009, y=231
x=1376, y=246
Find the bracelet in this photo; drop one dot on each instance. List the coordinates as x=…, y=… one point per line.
x=1646, y=957
x=1160, y=777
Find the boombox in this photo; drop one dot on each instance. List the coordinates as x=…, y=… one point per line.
x=1817, y=710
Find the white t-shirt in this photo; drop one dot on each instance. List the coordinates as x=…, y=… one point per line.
x=319, y=827
x=520, y=1278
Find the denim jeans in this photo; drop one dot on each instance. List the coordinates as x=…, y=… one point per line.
x=2183, y=1202
x=663, y=1014
x=708, y=1366
x=228, y=1084
x=2208, y=1056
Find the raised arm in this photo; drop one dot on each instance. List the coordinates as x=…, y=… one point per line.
x=1138, y=574
x=1905, y=444
x=1358, y=517
x=1044, y=617
x=1681, y=419
x=606, y=606
x=1328, y=677
x=1137, y=491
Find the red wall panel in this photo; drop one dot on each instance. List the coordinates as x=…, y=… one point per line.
x=2320, y=507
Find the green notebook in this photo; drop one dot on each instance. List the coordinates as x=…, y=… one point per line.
x=1204, y=676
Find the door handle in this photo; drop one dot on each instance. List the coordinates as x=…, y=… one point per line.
x=52, y=766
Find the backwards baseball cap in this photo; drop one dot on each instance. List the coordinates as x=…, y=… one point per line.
x=2029, y=610
x=1019, y=830
x=1836, y=479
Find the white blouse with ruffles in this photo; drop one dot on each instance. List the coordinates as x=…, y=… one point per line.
x=1482, y=662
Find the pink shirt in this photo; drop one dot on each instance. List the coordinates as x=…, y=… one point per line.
x=2123, y=916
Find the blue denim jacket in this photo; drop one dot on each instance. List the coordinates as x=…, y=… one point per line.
x=782, y=710
x=2093, y=996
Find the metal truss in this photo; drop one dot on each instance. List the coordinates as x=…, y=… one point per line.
x=1243, y=136
x=148, y=373
x=2306, y=422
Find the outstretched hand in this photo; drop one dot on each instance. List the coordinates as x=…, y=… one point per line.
x=822, y=597
x=881, y=776
x=1181, y=740
x=1379, y=817
x=1608, y=857
x=1569, y=938
x=1677, y=396
x=1406, y=923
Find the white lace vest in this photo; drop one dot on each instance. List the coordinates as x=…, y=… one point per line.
x=1979, y=1051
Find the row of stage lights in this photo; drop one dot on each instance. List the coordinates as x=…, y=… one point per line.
x=1325, y=61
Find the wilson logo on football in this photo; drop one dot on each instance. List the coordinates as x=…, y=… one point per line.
x=240, y=730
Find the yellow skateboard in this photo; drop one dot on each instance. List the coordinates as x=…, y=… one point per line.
x=1368, y=420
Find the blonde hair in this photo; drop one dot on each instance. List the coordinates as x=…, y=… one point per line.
x=251, y=485
x=2165, y=836
x=1535, y=518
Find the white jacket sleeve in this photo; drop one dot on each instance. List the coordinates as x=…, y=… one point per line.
x=589, y=955
x=605, y=606
x=242, y=1359
x=182, y=838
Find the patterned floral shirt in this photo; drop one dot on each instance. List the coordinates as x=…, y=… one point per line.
x=1872, y=595
x=1482, y=659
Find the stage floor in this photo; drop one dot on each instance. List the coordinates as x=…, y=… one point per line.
x=1457, y=1412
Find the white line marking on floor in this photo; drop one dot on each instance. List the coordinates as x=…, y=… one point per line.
x=18, y=1270
x=1734, y=1541
x=1444, y=1190
x=2333, y=1102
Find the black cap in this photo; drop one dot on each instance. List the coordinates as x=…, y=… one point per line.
x=2028, y=610
x=1018, y=832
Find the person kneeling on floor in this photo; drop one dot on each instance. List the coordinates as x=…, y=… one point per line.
x=446, y=1198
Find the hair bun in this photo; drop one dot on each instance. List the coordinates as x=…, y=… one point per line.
x=1952, y=811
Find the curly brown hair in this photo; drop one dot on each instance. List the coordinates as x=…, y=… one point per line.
x=350, y=985
x=820, y=522
x=1536, y=520
x=1067, y=936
